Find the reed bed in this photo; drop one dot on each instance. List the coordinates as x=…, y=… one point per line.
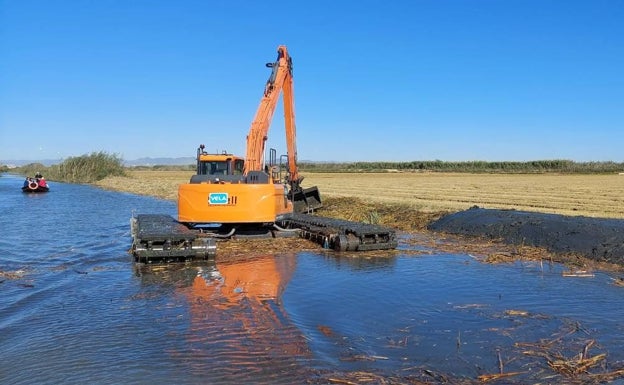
x=86, y=168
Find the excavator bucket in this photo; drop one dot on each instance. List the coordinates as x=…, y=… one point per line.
x=307, y=200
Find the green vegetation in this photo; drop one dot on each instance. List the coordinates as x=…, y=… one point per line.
x=81, y=169
x=537, y=166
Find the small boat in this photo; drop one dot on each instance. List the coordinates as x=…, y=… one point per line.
x=34, y=186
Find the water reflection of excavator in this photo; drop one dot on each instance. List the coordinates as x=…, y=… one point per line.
x=231, y=196
x=231, y=192
x=236, y=318
x=256, y=280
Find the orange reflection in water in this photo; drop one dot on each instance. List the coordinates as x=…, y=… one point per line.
x=257, y=280
x=237, y=321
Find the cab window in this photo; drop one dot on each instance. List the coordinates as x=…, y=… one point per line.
x=238, y=166
x=214, y=168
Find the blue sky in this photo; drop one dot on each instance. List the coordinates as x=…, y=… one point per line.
x=374, y=80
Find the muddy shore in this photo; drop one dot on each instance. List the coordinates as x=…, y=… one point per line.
x=598, y=239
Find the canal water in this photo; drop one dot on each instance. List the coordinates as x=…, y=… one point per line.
x=75, y=308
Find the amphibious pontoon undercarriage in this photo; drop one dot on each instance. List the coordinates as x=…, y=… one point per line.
x=160, y=238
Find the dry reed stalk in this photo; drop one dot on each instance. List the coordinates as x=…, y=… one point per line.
x=497, y=376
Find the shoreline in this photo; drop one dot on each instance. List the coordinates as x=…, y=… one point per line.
x=402, y=217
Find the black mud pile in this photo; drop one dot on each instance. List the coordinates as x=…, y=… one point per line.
x=600, y=239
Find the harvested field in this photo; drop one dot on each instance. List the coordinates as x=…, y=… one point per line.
x=587, y=195
x=161, y=184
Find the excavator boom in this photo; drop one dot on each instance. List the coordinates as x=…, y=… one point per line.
x=280, y=82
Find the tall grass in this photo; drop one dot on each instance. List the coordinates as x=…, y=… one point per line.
x=80, y=169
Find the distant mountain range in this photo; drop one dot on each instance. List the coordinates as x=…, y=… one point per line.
x=21, y=162
x=160, y=161
x=137, y=162
x=129, y=163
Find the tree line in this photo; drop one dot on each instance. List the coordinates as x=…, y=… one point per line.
x=98, y=165
x=536, y=166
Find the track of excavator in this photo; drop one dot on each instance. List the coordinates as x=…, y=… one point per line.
x=160, y=238
x=342, y=235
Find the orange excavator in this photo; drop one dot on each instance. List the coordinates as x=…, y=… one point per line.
x=234, y=193
x=231, y=196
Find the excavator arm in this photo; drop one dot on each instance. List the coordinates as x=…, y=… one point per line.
x=280, y=81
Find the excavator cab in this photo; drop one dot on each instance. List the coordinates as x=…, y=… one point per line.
x=218, y=164
x=215, y=168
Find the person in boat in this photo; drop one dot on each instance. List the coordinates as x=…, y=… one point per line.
x=40, y=180
x=26, y=182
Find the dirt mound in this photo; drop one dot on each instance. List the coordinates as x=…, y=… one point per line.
x=599, y=239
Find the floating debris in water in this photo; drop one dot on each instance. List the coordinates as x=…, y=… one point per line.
x=578, y=273
x=519, y=313
x=618, y=281
x=17, y=274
